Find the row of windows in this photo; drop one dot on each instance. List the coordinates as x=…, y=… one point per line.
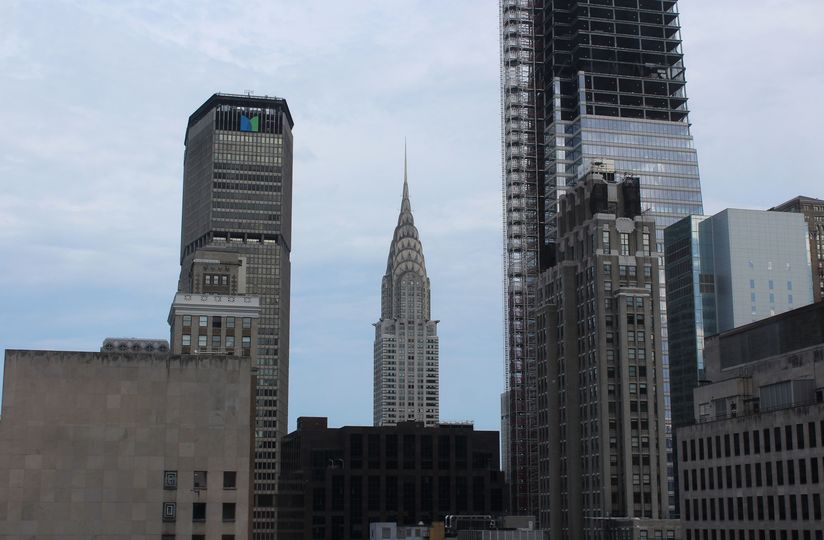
x=750, y=474
x=215, y=343
x=199, y=480
x=686, y=156
x=770, y=507
x=754, y=441
x=637, y=140
x=199, y=513
x=657, y=128
x=750, y=534
x=217, y=321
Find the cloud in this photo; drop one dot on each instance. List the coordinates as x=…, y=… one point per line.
x=96, y=100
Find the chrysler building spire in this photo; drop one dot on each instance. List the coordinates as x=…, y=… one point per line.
x=406, y=339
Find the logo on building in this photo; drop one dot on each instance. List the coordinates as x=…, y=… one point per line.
x=249, y=124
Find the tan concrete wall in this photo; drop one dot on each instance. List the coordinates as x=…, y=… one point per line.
x=85, y=439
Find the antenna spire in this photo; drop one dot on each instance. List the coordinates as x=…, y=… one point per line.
x=405, y=206
x=405, y=176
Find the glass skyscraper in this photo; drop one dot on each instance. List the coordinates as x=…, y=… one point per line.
x=582, y=82
x=237, y=195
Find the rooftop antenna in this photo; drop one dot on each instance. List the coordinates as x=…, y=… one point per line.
x=249, y=93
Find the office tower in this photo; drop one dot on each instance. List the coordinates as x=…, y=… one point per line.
x=129, y=442
x=406, y=338
x=581, y=83
x=751, y=464
x=813, y=211
x=336, y=481
x=601, y=419
x=237, y=196
x=725, y=271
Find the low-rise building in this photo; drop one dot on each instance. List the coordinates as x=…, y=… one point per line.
x=752, y=465
x=334, y=482
x=125, y=445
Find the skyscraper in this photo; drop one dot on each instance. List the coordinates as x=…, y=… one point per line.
x=237, y=195
x=406, y=337
x=581, y=83
x=601, y=423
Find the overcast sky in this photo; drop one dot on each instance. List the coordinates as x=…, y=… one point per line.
x=94, y=99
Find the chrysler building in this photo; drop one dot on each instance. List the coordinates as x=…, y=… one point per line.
x=406, y=338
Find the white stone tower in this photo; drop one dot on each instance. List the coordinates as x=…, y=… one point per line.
x=406, y=338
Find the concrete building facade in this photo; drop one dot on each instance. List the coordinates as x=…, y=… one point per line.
x=406, y=354
x=336, y=481
x=216, y=316
x=237, y=196
x=125, y=445
x=602, y=429
x=752, y=464
x=813, y=212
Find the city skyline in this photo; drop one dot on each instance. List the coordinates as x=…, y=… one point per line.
x=109, y=152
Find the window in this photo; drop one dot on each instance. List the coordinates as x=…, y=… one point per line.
x=624, y=243
x=216, y=342
x=186, y=340
x=217, y=321
x=646, y=240
x=230, y=342
x=230, y=322
x=169, y=479
x=187, y=320
x=199, y=511
x=605, y=240
x=247, y=322
x=202, y=341
x=203, y=321
x=229, y=479
x=169, y=511
x=247, y=342
x=228, y=511
x=199, y=480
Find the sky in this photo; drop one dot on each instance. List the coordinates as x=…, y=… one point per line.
x=94, y=100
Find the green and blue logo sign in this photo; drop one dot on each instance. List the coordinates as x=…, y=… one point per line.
x=249, y=123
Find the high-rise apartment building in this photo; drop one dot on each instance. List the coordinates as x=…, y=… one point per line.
x=813, y=211
x=582, y=82
x=237, y=196
x=406, y=337
x=603, y=470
